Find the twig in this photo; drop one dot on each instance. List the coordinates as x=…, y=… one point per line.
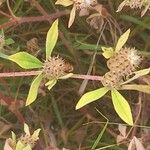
x=20, y=20
x=34, y=73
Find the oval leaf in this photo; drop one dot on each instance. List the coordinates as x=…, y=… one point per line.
x=141, y=88
x=26, y=129
x=122, y=40
x=64, y=2
x=34, y=89
x=122, y=107
x=91, y=96
x=26, y=60
x=72, y=16
x=51, y=39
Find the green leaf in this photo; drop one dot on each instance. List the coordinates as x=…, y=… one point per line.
x=51, y=83
x=91, y=96
x=13, y=135
x=107, y=52
x=122, y=40
x=141, y=88
x=138, y=74
x=3, y=56
x=26, y=129
x=9, y=41
x=34, y=89
x=26, y=60
x=51, y=39
x=72, y=16
x=35, y=135
x=122, y=107
x=19, y=146
x=28, y=147
x=64, y=2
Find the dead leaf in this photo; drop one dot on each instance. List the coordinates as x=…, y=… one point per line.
x=135, y=144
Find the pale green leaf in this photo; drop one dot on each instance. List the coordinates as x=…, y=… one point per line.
x=107, y=52
x=19, y=146
x=66, y=76
x=33, y=91
x=122, y=40
x=35, y=134
x=51, y=39
x=91, y=97
x=13, y=135
x=64, y=2
x=138, y=74
x=51, y=83
x=141, y=88
x=28, y=147
x=72, y=16
x=26, y=129
x=26, y=60
x=122, y=107
x=9, y=41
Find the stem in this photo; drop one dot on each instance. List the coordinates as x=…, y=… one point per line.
x=34, y=73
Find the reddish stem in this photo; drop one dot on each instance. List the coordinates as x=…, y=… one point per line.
x=34, y=73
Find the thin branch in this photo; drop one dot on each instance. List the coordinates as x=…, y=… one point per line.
x=34, y=73
x=20, y=20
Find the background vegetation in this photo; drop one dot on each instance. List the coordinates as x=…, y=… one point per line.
x=25, y=25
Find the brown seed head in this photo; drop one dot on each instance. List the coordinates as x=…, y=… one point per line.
x=55, y=67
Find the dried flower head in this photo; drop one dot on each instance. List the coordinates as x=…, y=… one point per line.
x=55, y=67
x=136, y=4
x=32, y=45
x=28, y=140
x=80, y=4
x=121, y=65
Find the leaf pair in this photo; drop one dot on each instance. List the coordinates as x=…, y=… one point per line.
x=109, y=51
x=27, y=61
x=121, y=105
x=66, y=3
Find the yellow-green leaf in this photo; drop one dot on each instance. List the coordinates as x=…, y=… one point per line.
x=64, y=2
x=138, y=74
x=35, y=134
x=72, y=16
x=51, y=83
x=28, y=147
x=122, y=107
x=141, y=88
x=26, y=129
x=33, y=91
x=91, y=97
x=26, y=60
x=51, y=39
x=107, y=52
x=122, y=40
x=19, y=146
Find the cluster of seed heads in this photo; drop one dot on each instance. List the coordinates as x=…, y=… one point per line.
x=55, y=67
x=28, y=140
x=84, y=3
x=121, y=65
x=136, y=4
